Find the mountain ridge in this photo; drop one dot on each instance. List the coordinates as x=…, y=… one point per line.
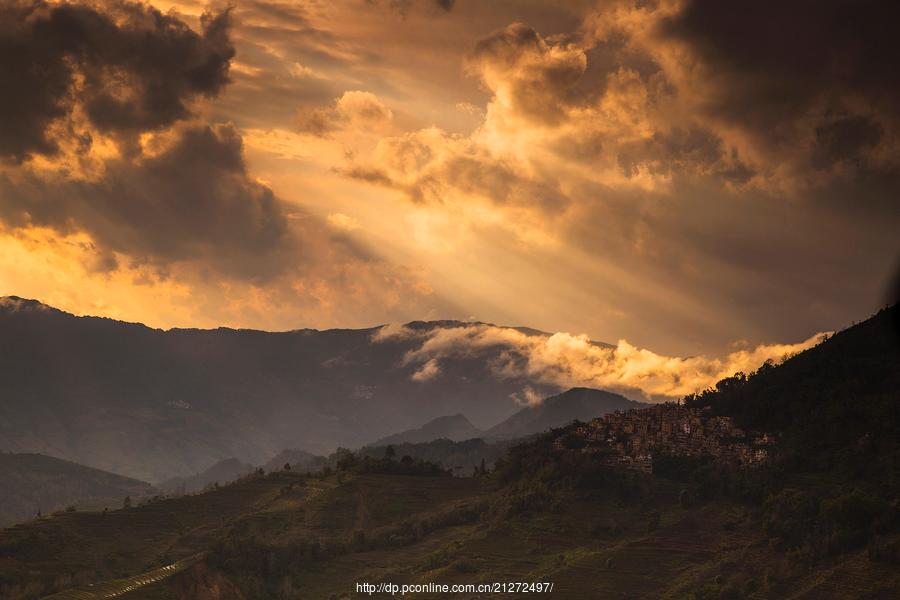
x=33, y=482
x=578, y=403
x=155, y=404
x=452, y=427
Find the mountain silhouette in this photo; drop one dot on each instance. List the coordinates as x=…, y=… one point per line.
x=155, y=404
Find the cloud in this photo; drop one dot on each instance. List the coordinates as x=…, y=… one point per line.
x=354, y=110
x=428, y=371
x=527, y=73
x=392, y=331
x=565, y=360
x=778, y=62
x=193, y=200
x=403, y=7
x=342, y=221
x=434, y=167
x=797, y=92
x=120, y=184
x=608, y=167
x=528, y=396
x=118, y=68
x=611, y=162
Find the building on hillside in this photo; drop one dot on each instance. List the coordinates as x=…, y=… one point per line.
x=634, y=435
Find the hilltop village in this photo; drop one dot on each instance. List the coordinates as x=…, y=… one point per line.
x=629, y=439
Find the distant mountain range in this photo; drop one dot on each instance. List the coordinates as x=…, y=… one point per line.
x=453, y=427
x=187, y=408
x=224, y=471
x=29, y=482
x=156, y=404
x=444, y=440
x=297, y=459
x=231, y=469
x=32, y=482
x=576, y=404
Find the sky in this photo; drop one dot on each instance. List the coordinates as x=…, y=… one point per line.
x=694, y=177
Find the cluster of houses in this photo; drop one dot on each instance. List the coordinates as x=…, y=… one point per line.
x=630, y=439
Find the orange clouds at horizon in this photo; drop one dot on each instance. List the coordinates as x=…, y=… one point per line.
x=565, y=360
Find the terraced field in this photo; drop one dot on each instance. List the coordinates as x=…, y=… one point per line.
x=83, y=550
x=402, y=529
x=120, y=587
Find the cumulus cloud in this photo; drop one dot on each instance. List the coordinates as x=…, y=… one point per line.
x=614, y=142
x=123, y=67
x=342, y=221
x=645, y=94
x=193, y=200
x=778, y=62
x=429, y=370
x=615, y=163
x=527, y=73
x=354, y=109
x=565, y=360
x=797, y=91
x=115, y=174
x=404, y=7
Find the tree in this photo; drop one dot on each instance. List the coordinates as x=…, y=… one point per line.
x=287, y=466
x=653, y=522
x=390, y=453
x=127, y=502
x=344, y=459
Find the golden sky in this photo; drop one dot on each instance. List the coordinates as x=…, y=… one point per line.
x=659, y=172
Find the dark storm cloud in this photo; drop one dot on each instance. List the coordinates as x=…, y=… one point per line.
x=131, y=67
x=778, y=63
x=541, y=76
x=195, y=200
x=403, y=7
x=762, y=265
x=680, y=150
x=844, y=138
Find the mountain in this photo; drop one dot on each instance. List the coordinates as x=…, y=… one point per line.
x=224, y=471
x=453, y=427
x=460, y=457
x=580, y=404
x=298, y=459
x=157, y=404
x=33, y=482
x=232, y=469
x=820, y=521
x=836, y=404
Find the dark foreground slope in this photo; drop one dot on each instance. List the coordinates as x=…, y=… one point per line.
x=837, y=405
x=33, y=483
x=811, y=529
x=286, y=536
